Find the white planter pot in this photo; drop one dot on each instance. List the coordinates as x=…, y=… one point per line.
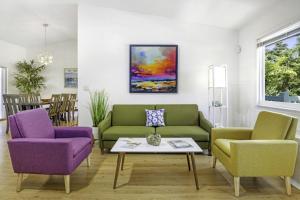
x=95, y=133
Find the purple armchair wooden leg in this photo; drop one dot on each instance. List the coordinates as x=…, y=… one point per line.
x=67, y=183
x=19, y=182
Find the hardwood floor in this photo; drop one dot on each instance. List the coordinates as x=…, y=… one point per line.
x=144, y=177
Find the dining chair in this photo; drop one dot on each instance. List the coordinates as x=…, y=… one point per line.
x=63, y=110
x=35, y=99
x=11, y=104
x=23, y=102
x=72, y=108
x=53, y=112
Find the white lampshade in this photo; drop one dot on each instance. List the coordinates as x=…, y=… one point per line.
x=217, y=76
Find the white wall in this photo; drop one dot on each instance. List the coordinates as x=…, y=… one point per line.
x=283, y=14
x=279, y=16
x=10, y=54
x=64, y=56
x=104, y=36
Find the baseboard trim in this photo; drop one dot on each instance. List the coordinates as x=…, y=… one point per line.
x=295, y=183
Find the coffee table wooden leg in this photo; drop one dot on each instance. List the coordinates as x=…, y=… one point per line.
x=117, y=169
x=188, y=161
x=123, y=160
x=195, y=170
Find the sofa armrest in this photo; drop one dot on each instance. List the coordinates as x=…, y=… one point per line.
x=263, y=157
x=230, y=133
x=71, y=132
x=104, y=124
x=204, y=123
x=41, y=156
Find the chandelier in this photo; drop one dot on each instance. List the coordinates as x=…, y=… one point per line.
x=45, y=58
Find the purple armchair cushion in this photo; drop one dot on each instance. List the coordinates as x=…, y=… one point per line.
x=71, y=132
x=35, y=124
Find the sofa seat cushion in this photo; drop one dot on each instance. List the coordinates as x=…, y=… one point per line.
x=224, y=145
x=79, y=144
x=114, y=132
x=195, y=132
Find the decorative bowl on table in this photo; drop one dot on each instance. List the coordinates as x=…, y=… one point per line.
x=154, y=139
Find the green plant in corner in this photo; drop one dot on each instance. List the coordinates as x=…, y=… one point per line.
x=28, y=79
x=98, y=106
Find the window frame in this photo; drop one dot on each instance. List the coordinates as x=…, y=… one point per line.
x=282, y=34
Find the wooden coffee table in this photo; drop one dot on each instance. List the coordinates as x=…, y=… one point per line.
x=164, y=147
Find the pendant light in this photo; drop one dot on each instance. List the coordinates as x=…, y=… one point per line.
x=45, y=58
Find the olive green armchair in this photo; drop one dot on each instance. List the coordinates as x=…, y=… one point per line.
x=267, y=150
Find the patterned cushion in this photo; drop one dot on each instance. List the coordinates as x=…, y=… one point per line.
x=155, y=117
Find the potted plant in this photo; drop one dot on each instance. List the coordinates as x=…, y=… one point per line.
x=28, y=79
x=98, y=109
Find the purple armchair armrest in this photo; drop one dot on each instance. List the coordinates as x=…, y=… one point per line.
x=71, y=132
x=41, y=156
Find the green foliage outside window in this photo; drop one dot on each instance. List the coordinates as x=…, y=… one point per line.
x=282, y=69
x=28, y=79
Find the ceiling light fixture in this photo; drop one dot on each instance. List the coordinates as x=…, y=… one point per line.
x=45, y=58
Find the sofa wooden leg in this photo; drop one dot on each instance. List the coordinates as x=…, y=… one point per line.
x=236, y=186
x=288, y=185
x=88, y=160
x=209, y=149
x=19, y=182
x=214, y=158
x=67, y=183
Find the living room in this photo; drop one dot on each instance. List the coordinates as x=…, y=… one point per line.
x=140, y=77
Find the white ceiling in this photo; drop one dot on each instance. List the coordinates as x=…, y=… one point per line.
x=230, y=14
x=21, y=21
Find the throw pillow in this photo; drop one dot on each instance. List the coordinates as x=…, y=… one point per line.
x=155, y=117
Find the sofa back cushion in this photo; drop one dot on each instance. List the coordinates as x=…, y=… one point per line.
x=34, y=124
x=180, y=114
x=271, y=125
x=130, y=114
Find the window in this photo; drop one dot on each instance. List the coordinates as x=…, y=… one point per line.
x=279, y=64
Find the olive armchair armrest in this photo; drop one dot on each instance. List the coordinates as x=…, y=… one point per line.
x=266, y=157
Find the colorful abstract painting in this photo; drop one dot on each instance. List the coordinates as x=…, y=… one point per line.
x=153, y=68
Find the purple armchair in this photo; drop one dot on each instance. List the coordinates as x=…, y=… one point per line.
x=39, y=148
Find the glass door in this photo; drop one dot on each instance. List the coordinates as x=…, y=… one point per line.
x=3, y=89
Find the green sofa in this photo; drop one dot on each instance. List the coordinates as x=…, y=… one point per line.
x=129, y=120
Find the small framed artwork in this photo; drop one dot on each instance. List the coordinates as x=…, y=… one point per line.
x=70, y=77
x=153, y=68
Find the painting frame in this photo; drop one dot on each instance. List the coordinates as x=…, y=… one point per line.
x=131, y=46
x=69, y=74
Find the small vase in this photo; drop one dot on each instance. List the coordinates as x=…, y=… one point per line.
x=95, y=133
x=154, y=139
